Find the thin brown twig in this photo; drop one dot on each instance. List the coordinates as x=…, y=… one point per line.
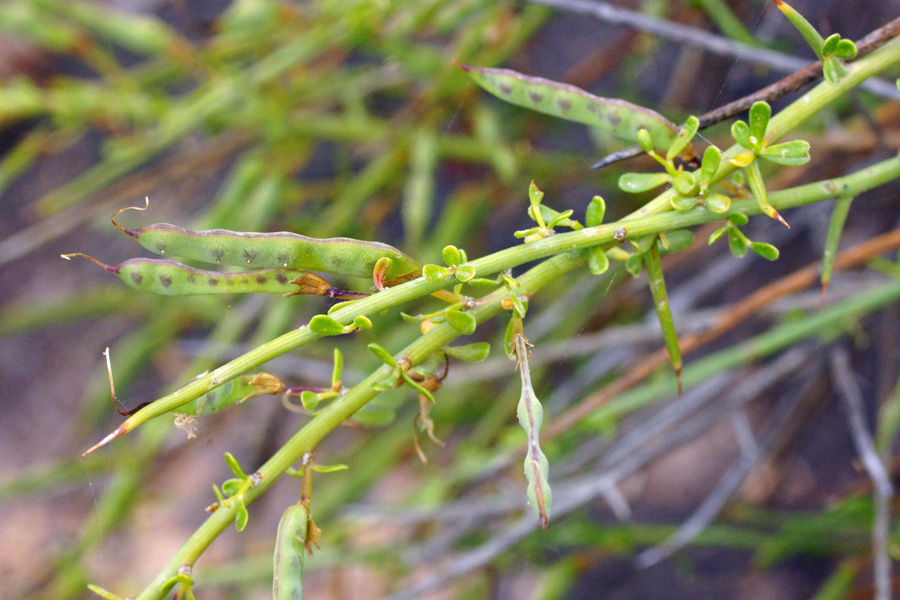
x=782, y=87
x=798, y=79
x=731, y=318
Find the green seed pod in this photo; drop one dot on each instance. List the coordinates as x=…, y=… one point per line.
x=618, y=117
x=287, y=582
x=281, y=250
x=169, y=278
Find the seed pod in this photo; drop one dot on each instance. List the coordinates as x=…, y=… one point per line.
x=281, y=250
x=618, y=117
x=287, y=582
x=170, y=278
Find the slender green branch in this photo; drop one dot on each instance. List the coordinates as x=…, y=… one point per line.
x=530, y=282
x=853, y=185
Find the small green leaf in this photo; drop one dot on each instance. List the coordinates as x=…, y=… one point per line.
x=535, y=195
x=634, y=264
x=684, y=137
x=830, y=44
x=712, y=158
x=737, y=243
x=681, y=203
x=508, y=336
x=740, y=131
x=644, y=242
x=559, y=218
x=739, y=219
x=410, y=318
x=465, y=273
x=233, y=465
x=451, y=255
x=310, y=400
x=793, y=153
x=382, y=354
x=846, y=50
x=758, y=120
x=635, y=183
x=684, y=183
x=675, y=241
x=242, y=516
x=325, y=325
x=717, y=234
x=463, y=322
x=416, y=386
x=476, y=352
x=232, y=486
x=767, y=251
x=833, y=70
x=598, y=262
x=644, y=140
x=596, y=210
x=435, y=273
x=520, y=307
x=744, y=159
x=362, y=322
x=718, y=203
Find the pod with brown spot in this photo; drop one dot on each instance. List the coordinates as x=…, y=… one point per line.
x=169, y=278
x=618, y=117
x=279, y=250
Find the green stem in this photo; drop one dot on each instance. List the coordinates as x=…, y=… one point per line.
x=531, y=281
x=835, y=227
x=345, y=407
x=663, y=310
x=853, y=184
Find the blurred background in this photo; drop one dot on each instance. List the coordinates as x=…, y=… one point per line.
x=350, y=118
